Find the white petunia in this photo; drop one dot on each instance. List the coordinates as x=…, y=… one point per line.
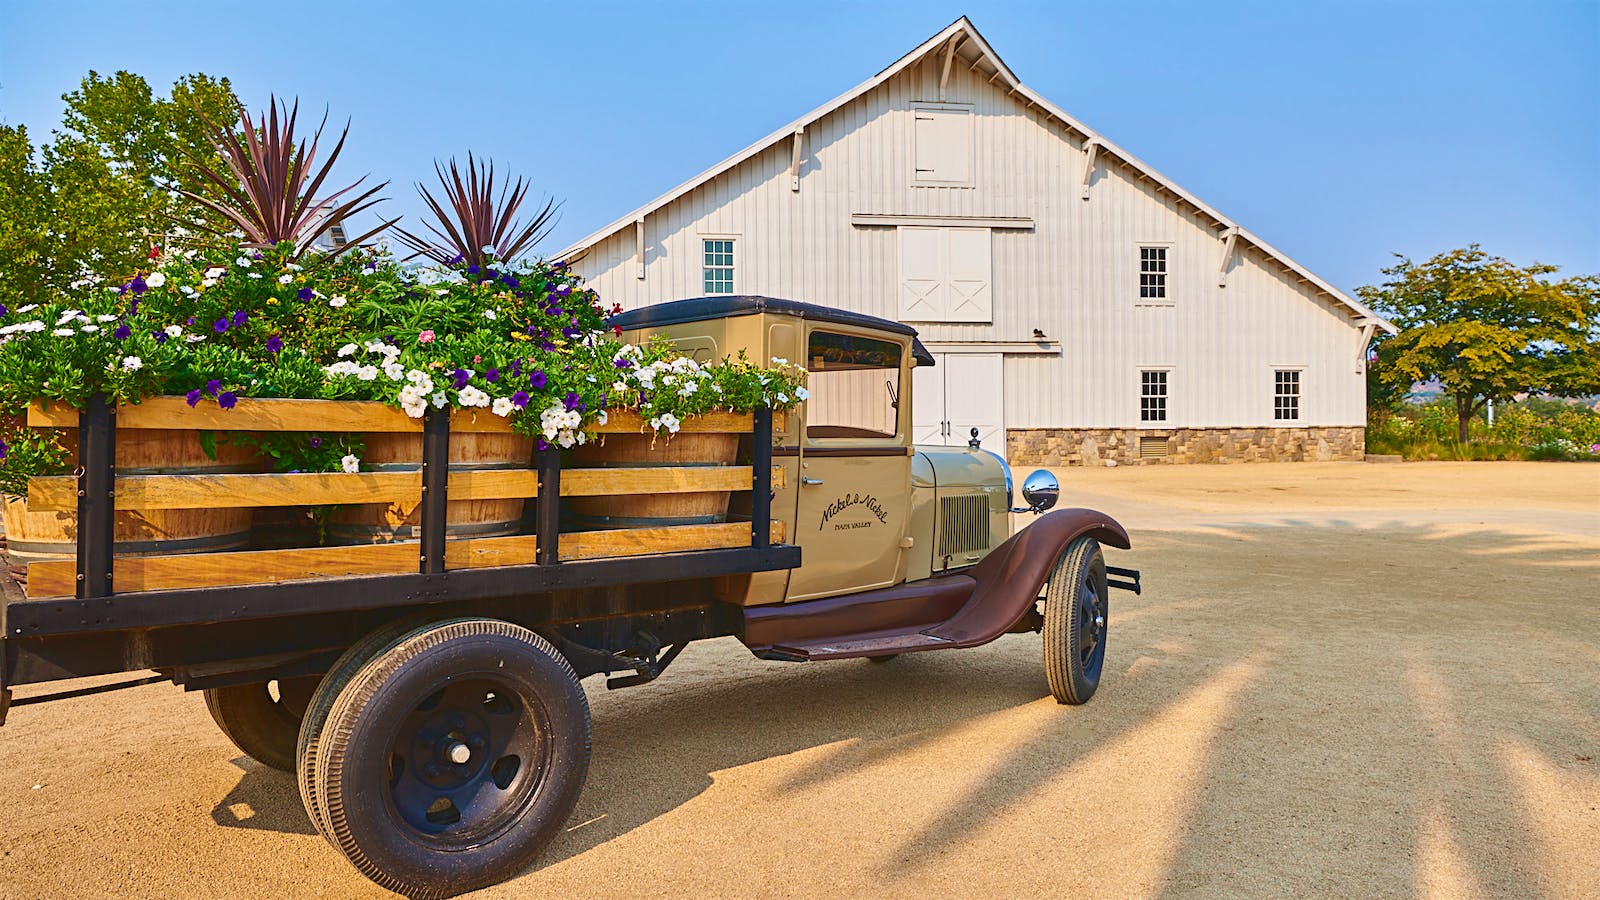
x=174, y=330
x=348, y=349
x=68, y=316
x=155, y=280
x=285, y=279
x=63, y=332
x=215, y=272
x=90, y=328
x=489, y=314
x=394, y=370
x=132, y=364
x=350, y=463
x=471, y=396
x=195, y=338
x=255, y=274
x=29, y=308
x=801, y=393
x=367, y=373
x=188, y=291
x=440, y=401
x=779, y=361
x=102, y=319
x=503, y=407
x=208, y=282
x=337, y=301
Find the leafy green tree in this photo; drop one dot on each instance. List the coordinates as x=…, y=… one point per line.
x=1487, y=329
x=94, y=199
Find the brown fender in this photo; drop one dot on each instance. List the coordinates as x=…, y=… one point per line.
x=1010, y=578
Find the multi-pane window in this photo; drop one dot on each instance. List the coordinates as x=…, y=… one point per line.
x=1286, y=394
x=1152, y=273
x=718, y=265
x=1153, y=396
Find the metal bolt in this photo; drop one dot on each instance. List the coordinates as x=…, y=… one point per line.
x=460, y=753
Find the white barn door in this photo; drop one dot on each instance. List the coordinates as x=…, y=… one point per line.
x=961, y=392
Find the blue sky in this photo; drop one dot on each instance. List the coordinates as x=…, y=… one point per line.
x=1340, y=132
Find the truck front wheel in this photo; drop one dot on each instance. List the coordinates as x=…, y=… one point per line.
x=1075, y=620
x=263, y=719
x=452, y=757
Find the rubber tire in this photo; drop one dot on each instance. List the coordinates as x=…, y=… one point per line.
x=352, y=762
x=344, y=668
x=262, y=728
x=1071, y=680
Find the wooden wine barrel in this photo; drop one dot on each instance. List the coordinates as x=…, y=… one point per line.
x=652, y=510
x=34, y=536
x=383, y=523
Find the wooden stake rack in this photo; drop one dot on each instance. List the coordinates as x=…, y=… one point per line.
x=244, y=583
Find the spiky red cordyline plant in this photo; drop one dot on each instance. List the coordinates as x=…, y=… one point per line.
x=271, y=180
x=477, y=218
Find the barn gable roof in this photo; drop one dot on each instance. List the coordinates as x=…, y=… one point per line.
x=962, y=40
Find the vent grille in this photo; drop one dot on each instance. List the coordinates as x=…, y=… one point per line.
x=963, y=524
x=1154, y=448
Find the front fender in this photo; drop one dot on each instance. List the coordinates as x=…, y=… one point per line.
x=1011, y=576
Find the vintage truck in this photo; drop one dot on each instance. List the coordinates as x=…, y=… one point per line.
x=427, y=695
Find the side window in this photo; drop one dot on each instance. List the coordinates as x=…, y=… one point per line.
x=718, y=258
x=855, y=387
x=1153, y=396
x=1286, y=395
x=1153, y=274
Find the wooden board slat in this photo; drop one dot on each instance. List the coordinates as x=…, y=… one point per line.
x=59, y=493
x=258, y=414
x=152, y=573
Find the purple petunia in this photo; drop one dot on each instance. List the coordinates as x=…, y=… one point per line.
x=516, y=367
x=492, y=376
x=4, y=449
x=538, y=380
x=274, y=344
x=544, y=444
x=4, y=310
x=457, y=259
x=220, y=326
x=510, y=281
x=473, y=270
x=212, y=387
x=622, y=362
x=305, y=293
x=239, y=318
x=123, y=332
x=460, y=378
x=520, y=399
x=226, y=399
x=564, y=290
x=137, y=285
x=316, y=441
x=160, y=336
x=573, y=401
x=193, y=397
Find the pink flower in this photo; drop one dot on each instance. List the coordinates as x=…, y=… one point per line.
x=425, y=337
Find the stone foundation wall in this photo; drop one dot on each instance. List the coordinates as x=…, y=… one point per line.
x=1098, y=446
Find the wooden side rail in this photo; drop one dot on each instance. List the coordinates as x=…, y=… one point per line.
x=254, y=414
x=59, y=493
x=155, y=573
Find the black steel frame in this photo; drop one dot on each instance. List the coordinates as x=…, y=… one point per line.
x=98, y=611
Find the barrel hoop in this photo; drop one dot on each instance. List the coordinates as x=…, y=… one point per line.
x=240, y=469
x=604, y=522
x=454, y=467
x=138, y=548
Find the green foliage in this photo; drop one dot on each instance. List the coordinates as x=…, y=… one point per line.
x=1486, y=329
x=1536, y=428
x=25, y=452
x=88, y=203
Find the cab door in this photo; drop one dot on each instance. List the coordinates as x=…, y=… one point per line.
x=855, y=462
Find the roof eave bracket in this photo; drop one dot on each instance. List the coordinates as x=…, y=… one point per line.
x=1230, y=240
x=1092, y=148
x=795, y=158
x=949, y=57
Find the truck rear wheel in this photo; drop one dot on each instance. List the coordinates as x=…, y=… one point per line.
x=263, y=719
x=1075, y=620
x=452, y=757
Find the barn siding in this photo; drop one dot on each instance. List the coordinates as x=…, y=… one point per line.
x=1074, y=275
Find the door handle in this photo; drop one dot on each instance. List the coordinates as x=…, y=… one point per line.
x=806, y=480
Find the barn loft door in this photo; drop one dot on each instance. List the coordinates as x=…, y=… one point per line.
x=945, y=275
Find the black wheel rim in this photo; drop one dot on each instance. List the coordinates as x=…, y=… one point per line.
x=466, y=762
x=1091, y=622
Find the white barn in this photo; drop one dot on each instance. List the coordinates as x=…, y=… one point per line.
x=1078, y=303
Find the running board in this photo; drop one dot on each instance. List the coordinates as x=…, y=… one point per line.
x=872, y=645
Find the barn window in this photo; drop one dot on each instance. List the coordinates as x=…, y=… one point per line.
x=1152, y=273
x=945, y=275
x=1286, y=395
x=1153, y=396
x=718, y=254
x=941, y=141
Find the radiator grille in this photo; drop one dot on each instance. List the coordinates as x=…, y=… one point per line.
x=963, y=524
x=1154, y=448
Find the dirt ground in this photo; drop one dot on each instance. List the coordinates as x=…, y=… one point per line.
x=1343, y=680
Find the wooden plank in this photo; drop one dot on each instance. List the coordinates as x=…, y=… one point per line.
x=59, y=493
x=256, y=414
x=152, y=573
